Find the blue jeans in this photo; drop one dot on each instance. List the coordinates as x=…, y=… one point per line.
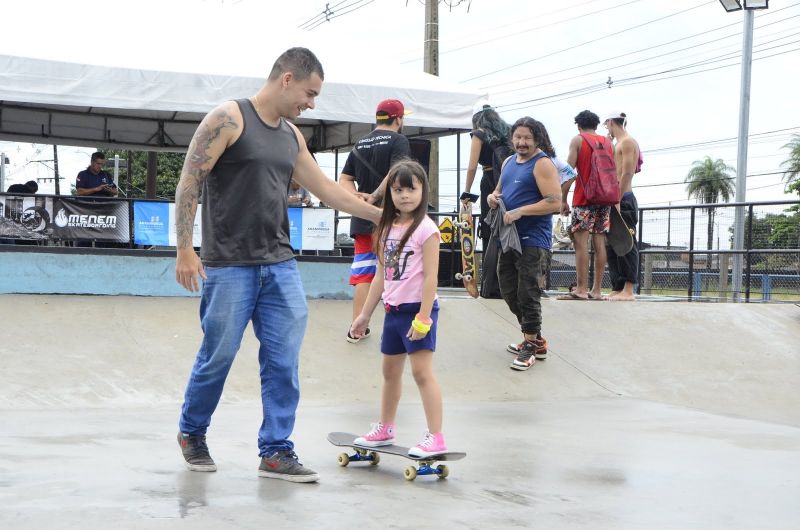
x=273, y=298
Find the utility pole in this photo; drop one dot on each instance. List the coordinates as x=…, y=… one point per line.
x=431, y=66
x=741, y=152
x=55, y=169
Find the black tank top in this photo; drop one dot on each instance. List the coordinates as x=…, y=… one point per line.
x=244, y=212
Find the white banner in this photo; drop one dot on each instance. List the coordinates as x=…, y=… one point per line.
x=318, y=229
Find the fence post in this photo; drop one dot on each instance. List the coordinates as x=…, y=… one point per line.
x=724, y=260
x=766, y=288
x=691, y=251
x=748, y=248
x=638, y=244
x=648, y=274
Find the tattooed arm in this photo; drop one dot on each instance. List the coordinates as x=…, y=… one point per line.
x=219, y=129
x=311, y=177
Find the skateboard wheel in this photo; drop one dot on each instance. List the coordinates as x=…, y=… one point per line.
x=468, y=277
x=442, y=471
x=410, y=473
x=375, y=458
x=343, y=459
x=459, y=276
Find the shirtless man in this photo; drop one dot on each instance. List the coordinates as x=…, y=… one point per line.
x=624, y=270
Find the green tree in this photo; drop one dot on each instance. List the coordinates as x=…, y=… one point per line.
x=792, y=164
x=709, y=181
x=133, y=182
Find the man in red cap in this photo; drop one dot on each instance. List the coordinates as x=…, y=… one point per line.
x=363, y=172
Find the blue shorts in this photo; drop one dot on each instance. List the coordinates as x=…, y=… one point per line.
x=396, y=325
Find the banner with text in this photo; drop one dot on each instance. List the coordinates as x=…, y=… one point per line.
x=154, y=224
x=90, y=219
x=311, y=228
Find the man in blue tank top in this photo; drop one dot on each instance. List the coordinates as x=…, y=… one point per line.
x=243, y=156
x=530, y=190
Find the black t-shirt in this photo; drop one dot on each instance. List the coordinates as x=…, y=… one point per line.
x=18, y=188
x=381, y=148
x=486, y=155
x=493, y=154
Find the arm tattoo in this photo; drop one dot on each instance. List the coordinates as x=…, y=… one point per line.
x=195, y=171
x=552, y=197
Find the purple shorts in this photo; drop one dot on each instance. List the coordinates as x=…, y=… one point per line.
x=396, y=324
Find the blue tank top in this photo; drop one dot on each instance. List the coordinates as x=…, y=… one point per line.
x=519, y=189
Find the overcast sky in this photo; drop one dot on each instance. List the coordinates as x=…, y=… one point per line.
x=548, y=60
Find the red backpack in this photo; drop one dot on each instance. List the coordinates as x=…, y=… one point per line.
x=601, y=187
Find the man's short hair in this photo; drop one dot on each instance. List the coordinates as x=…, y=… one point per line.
x=587, y=119
x=301, y=62
x=32, y=185
x=98, y=156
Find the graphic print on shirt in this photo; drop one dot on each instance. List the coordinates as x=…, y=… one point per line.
x=395, y=262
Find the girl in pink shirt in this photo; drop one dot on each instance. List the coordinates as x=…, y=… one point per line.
x=407, y=246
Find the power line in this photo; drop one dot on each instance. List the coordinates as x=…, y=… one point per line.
x=329, y=14
x=732, y=138
x=625, y=82
x=682, y=182
x=528, y=30
x=687, y=37
x=323, y=14
x=593, y=41
x=693, y=47
x=356, y=7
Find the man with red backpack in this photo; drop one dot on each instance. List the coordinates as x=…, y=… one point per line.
x=592, y=156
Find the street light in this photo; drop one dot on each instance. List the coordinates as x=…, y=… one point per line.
x=744, y=126
x=736, y=5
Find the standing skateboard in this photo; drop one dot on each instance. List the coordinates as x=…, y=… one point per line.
x=619, y=236
x=373, y=456
x=466, y=237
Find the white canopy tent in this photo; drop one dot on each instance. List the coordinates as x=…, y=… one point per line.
x=46, y=101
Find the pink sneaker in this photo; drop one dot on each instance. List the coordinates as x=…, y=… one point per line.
x=381, y=434
x=432, y=444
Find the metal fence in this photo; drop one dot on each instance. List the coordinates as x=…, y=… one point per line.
x=686, y=253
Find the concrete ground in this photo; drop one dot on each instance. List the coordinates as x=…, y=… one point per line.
x=645, y=415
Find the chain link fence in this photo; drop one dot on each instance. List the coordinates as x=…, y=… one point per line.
x=686, y=252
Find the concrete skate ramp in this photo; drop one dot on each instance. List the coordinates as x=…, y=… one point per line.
x=645, y=415
x=740, y=360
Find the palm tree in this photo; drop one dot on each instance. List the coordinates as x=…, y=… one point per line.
x=792, y=173
x=709, y=181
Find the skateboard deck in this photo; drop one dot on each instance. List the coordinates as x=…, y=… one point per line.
x=619, y=236
x=466, y=238
x=372, y=455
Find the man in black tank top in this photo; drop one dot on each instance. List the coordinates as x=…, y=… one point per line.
x=243, y=156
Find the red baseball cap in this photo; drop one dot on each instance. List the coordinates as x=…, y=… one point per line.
x=390, y=108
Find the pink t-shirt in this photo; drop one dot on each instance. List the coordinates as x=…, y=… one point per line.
x=402, y=274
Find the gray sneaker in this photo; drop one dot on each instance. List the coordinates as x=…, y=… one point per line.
x=195, y=452
x=285, y=466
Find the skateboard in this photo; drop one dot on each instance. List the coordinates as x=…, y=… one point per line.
x=619, y=236
x=466, y=237
x=425, y=464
